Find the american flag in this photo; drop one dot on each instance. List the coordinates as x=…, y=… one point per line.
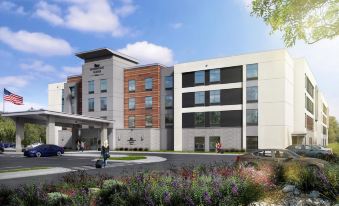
x=15, y=99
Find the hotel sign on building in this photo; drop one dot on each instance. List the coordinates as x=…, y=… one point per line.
x=97, y=70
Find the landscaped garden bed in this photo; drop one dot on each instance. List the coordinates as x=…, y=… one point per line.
x=216, y=184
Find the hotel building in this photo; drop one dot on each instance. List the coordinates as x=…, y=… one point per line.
x=250, y=101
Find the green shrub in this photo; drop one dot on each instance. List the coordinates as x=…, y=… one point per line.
x=5, y=195
x=332, y=174
x=305, y=178
x=113, y=192
x=28, y=195
x=57, y=198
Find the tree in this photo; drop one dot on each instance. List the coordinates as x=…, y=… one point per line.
x=333, y=130
x=308, y=20
x=34, y=133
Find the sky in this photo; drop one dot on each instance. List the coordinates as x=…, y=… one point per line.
x=38, y=39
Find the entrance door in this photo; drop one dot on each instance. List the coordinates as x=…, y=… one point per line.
x=199, y=143
x=298, y=139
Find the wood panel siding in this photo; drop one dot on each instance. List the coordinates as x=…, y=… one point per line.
x=139, y=75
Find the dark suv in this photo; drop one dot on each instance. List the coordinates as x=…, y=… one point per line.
x=309, y=150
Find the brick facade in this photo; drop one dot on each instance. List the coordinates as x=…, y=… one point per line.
x=139, y=75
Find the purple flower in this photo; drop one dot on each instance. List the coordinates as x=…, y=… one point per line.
x=234, y=189
x=167, y=197
x=189, y=201
x=207, y=198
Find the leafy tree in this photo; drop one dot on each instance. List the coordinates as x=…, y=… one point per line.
x=333, y=130
x=308, y=20
x=7, y=130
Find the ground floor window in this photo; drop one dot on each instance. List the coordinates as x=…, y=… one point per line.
x=297, y=140
x=251, y=142
x=199, y=143
x=213, y=141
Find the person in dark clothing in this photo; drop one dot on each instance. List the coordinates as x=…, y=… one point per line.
x=105, y=152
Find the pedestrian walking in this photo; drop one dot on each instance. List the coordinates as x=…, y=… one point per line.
x=82, y=146
x=78, y=145
x=105, y=152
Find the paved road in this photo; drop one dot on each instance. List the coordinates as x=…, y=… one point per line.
x=8, y=161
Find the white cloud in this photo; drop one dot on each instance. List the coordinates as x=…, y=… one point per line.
x=37, y=66
x=9, y=107
x=70, y=70
x=324, y=63
x=87, y=15
x=12, y=7
x=149, y=53
x=34, y=42
x=176, y=25
x=14, y=81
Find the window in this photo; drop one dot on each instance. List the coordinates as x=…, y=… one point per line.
x=199, y=119
x=199, y=143
x=131, y=85
x=91, y=104
x=252, y=94
x=169, y=82
x=213, y=141
x=309, y=104
x=131, y=121
x=72, y=91
x=148, y=84
x=252, y=117
x=131, y=103
x=325, y=109
x=103, y=103
x=169, y=119
x=309, y=86
x=199, y=77
x=91, y=87
x=169, y=101
x=103, y=85
x=215, y=118
x=62, y=101
x=251, y=71
x=309, y=122
x=324, y=119
x=324, y=130
x=148, y=102
x=148, y=121
x=199, y=98
x=215, y=75
x=215, y=96
x=251, y=143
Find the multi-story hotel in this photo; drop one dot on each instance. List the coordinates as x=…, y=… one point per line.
x=250, y=101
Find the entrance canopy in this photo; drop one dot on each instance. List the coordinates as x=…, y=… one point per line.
x=52, y=119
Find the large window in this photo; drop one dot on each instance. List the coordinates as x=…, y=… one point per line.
x=213, y=141
x=148, y=121
x=148, y=102
x=199, y=77
x=169, y=101
x=72, y=91
x=169, y=82
x=252, y=94
x=91, y=87
x=324, y=130
x=215, y=96
x=325, y=109
x=309, y=86
x=309, y=104
x=131, y=121
x=251, y=143
x=252, y=71
x=199, y=98
x=309, y=122
x=199, y=119
x=199, y=143
x=91, y=104
x=215, y=118
x=214, y=75
x=103, y=85
x=63, y=101
x=103, y=103
x=148, y=84
x=169, y=119
x=252, y=117
x=131, y=103
x=131, y=85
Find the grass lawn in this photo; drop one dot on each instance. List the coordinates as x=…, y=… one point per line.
x=130, y=157
x=23, y=169
x=335, y=147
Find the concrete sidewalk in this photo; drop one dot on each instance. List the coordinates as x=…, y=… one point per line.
x=29, y=173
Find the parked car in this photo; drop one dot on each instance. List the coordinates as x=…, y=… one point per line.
x=309, y=150
x=1, y=149
x=44, y=151
x=7, y=145
x=283, y=156
x=32, y=146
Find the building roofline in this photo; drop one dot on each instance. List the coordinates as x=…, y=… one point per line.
x=146, y=65
x=82, y=55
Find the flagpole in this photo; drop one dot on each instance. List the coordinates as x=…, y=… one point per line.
x=3, y=101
